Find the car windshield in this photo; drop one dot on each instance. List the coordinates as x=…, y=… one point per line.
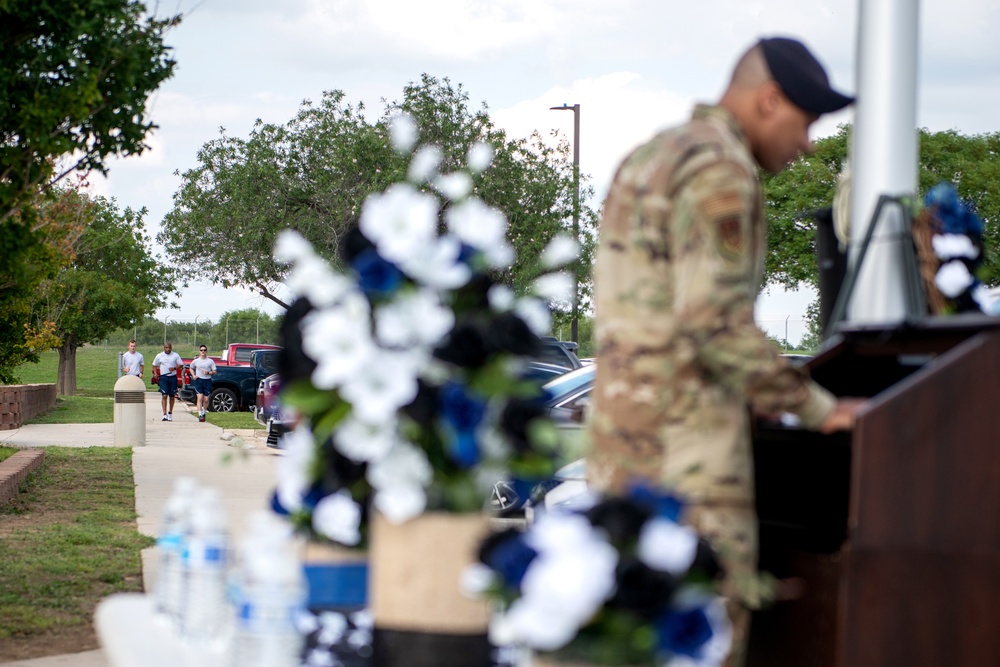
x=570, y=382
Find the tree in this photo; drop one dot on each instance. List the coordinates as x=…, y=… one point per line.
x=313, y=173
x=248, y=325
x=113, y=280
x=972, y=163
x=75, y=76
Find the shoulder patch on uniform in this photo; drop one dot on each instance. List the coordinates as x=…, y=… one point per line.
x=723, y=205
x=731, y=234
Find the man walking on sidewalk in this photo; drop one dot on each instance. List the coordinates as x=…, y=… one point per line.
x=203, y=369
x=133, y=362
x=168, y=363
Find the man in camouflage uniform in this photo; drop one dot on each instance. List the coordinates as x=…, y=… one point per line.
x=681, y=257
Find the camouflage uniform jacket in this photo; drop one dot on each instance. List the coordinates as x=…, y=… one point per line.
x=681, y=256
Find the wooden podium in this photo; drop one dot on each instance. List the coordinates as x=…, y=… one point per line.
x=894, y=528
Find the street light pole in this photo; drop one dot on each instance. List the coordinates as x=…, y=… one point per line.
x=574, y=326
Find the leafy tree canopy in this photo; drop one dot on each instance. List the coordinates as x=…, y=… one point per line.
x=112, y=281
x=971, y=163
x=75, y=76
x=313, y=173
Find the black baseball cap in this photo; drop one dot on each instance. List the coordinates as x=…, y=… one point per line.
x=801, y=77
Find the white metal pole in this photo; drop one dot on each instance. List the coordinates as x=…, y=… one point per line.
x=884, y=153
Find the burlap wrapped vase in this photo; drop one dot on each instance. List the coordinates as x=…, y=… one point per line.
x=422, y=619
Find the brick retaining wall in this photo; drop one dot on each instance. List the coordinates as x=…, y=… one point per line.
x=15, y=469
x=21, y=402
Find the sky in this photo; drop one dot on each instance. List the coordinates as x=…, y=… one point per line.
x=634, y=66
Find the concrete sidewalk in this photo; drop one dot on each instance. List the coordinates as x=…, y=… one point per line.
x=183, y=446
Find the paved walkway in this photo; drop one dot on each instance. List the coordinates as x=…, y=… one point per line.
x=239, y=465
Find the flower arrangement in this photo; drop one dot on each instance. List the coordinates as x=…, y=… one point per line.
x=957, y=241
x=621, y=583
x=406, y=369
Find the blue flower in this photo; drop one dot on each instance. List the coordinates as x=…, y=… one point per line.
x=507, y=554
x=955, y=215
x=461, y=414
x=684, y=632
x=376, y=276
x=663, y=505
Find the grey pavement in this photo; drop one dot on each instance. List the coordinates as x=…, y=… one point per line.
x=238, y=464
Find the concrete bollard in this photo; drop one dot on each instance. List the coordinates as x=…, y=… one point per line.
x=130, y=411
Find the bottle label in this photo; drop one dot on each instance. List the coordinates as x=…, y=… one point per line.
x=204, y=554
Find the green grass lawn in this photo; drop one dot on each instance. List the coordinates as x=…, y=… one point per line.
x=68, y=540
x=233, y=420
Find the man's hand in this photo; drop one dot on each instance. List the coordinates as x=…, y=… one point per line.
x=843, y=416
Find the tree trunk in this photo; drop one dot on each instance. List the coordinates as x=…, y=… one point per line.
x=66, y=382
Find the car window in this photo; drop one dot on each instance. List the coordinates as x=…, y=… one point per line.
x=567, y=384
x=243, y=353
x=269, y=362
x=580, y=401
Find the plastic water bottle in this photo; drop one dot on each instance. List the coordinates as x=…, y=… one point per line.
x=170, y=546
x=270, y=592
x=205, y=612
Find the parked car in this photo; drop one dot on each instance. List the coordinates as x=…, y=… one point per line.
x=558, y=352
x=569, y=396
x=269, y=412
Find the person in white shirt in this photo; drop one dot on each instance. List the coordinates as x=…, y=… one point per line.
x=133, y=363
x=203, y=369
x=168, y=363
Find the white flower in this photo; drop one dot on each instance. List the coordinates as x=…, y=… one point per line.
x=362, y=441
x=667, y=546
x=306, y=622
x=363, y=619
x=953, y=278
x=984, y=298
x=403, y=465
x=313, y=278
x=554, y=287
x=319, y=657
x=950, y=246
x=560, y=251
x=399, y=220
x=532, y=625
x=477, y=224
x=293, y=469
x=381, y=384
x=480, y=156
x=424, y=164
x=475, y=580
x=535, y=314
x=414, y=318
x=501, y=298
x=437, y=265
x=454, y=186
x=400, y=503
x=338, y=517
x=403, y=133
x=575, y=582
x=291, y=247
x=338, y=339
x=501, y=255
x=399, y=480
x=334, y=626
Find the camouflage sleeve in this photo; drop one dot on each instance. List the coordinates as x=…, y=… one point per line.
x=717, y=253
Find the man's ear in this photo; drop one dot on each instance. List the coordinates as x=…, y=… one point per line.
x=768, y=98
